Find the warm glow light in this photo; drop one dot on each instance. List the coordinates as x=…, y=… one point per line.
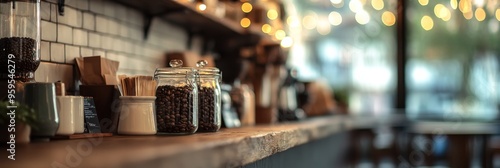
x=480, y=14
x=378, y=4
x=246, y=7
x=498, y=14
x=355, y=6
x=293, y=22
x=479, y=3
x=335, y=18
x=442, y=12
x=280, y=34
x=245, y=22
x=447, y=14
x=388, y=18
x=266, y=28
x=310, y=21
x=287, y=42
x=468, y=15
x=202, y=7
x=454, y=4
x=437, y=10
x=465, y=6
x=427, y=23
x=362, y=17
x=272, y=14
x=324, y=26
x=336, y=2
x=423, y=2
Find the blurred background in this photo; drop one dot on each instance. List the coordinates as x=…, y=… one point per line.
x=451, y=54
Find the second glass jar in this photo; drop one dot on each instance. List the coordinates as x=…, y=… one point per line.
x=209, y=98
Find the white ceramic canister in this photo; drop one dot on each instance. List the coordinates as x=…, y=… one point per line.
x=137, y=115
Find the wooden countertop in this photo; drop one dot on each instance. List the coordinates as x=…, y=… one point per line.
x=226, y=148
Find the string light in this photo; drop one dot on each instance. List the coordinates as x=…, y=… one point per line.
x=335, y=18
x=378, y=4
x=480, y=14
x=266, y=28
x=246, y=7
x=423, y=2
x=454, y=4
x=355, y=6
x=310, y=21
x=468, y=15
x=280, y=34
x=427, y=23
x=202, y=7
x=272, y=14
x=388, y=18
x=497, y=13
x=245, y=22
x=362, y=17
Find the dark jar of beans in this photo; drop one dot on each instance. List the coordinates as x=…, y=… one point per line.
x=209, y=98
x=176, y=99
x=19, y=40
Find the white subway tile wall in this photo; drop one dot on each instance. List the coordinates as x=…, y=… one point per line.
x=57, y=53
x=105, y=28
x=53, y=12
x=80, y=37
x=64, y=34
x=45, y=51
x=49, y=30
x=88, y=21
x=72, y=52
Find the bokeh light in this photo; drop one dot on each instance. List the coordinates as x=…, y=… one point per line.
x=245, y=22
x=335, y=18
x=423, y=2
x=266, y=28
x=378, y=4
x=427, y=23
x=272, y=14
x=388, y=18
x=246, y=7
x=480, y=14
x=362, y=17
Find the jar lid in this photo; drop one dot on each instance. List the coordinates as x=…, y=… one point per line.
x=175, y=69
x=202, y=70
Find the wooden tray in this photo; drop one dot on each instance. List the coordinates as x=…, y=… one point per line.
x=82, y=136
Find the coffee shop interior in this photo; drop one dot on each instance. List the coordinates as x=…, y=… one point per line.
x=250, y=83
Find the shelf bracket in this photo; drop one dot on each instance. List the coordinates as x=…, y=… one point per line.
x=147, y=25
x=60, y=7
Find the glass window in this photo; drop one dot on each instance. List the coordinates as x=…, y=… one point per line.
x=453, y=60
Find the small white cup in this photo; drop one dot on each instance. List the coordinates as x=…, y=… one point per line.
x=70, y=111
x=137, y=116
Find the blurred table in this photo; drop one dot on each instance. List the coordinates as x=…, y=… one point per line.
x=461, y=135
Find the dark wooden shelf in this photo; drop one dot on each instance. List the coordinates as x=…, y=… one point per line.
x=186, y=15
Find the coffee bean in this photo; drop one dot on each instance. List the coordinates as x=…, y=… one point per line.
x=25, y=53
x=206, y=111
x=174, y=106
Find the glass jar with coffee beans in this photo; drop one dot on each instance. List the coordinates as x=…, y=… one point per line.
x=209, y=98
x=19, y=39
x=176, y=99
